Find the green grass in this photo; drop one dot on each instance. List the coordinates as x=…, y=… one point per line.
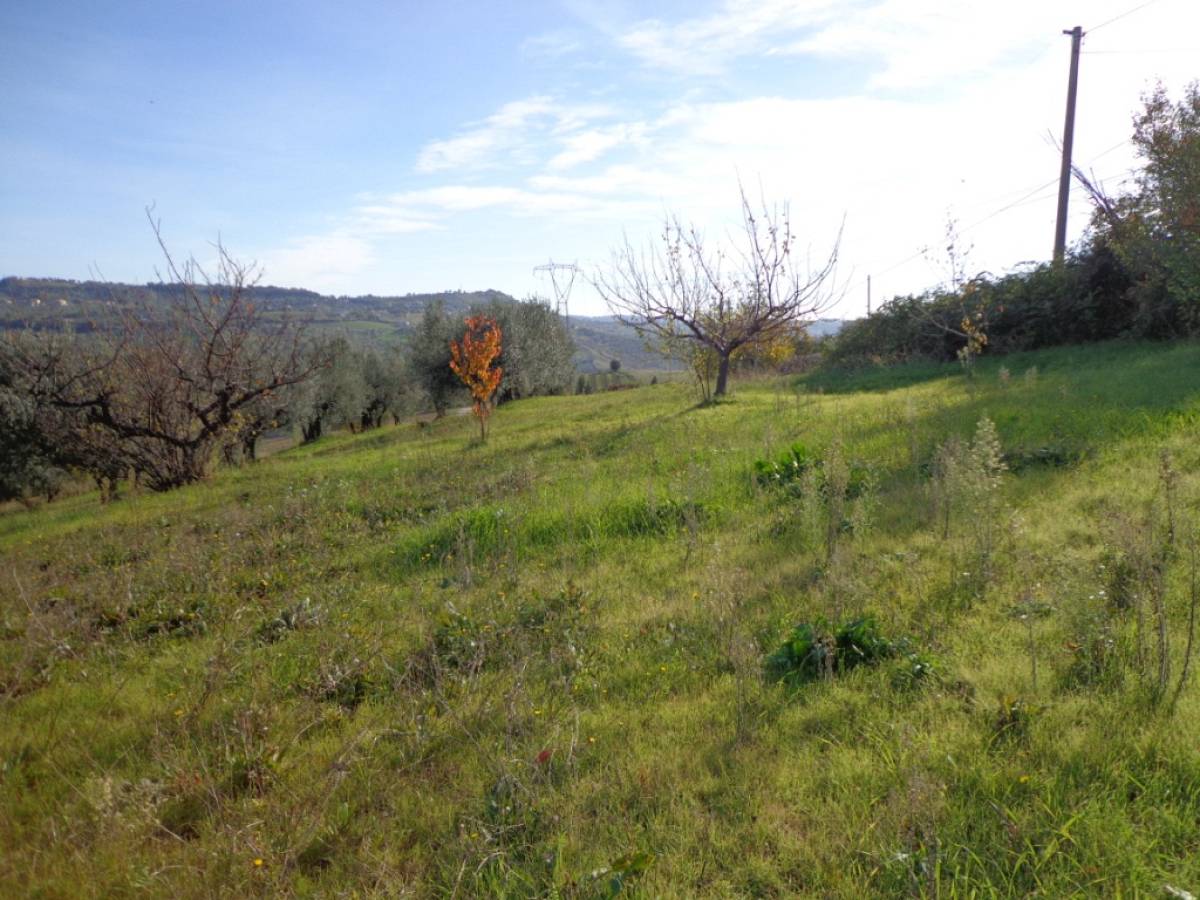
x=404, y=664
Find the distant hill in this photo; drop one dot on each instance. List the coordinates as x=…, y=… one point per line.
x=826, y=327
x=73, y=305
x=62, y=304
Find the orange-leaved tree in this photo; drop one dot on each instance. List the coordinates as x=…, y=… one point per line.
x=473, y=361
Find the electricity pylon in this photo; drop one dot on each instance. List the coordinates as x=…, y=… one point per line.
x=562, y=279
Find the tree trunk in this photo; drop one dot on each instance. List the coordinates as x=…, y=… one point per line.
x=722, y=376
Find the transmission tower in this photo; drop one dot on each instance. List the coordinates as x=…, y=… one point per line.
x=562, y=279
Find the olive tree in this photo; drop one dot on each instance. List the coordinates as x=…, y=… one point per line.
x=538, y=353
x=336, y=396
x=30, y=460
x=388, y=389
x=715, y=298
x=429, y=358
x=157, y=389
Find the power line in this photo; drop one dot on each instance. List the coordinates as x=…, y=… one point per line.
x=1025, y=193
x=1064, y=180
x=1143, y=52
x=1117, y=146
x=1030, y=196
x=1128, y=12
x=1015, y=203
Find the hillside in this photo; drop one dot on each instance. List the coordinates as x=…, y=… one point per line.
x=402, y=664
x=601, y=339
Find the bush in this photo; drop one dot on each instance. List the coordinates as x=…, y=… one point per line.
x=29, y=463
x=1088, y=298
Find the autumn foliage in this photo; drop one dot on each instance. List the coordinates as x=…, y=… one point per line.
x=473, y=361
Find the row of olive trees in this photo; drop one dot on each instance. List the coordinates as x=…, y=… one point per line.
x=359, y=389
x=163, y=394
x=355, y=389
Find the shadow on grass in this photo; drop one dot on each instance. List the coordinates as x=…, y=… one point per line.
x=1150, y=357
x=877, y=378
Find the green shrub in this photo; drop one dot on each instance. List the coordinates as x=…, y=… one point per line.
x=817, y=649
x=786, y=468
x=786, y=471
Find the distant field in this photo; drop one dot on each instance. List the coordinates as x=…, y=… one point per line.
x=403, y=664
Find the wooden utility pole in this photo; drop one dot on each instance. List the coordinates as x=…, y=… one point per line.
x=1064, y=179
x=868, y=295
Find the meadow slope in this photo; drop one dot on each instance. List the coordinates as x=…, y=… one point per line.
x=403, y=664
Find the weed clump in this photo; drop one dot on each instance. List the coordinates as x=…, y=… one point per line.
x=182, y=621
x=552, y=629
x=787, y=468
x=787, y=472
x=967, y=478
x=459, y=642
x=819, y=650
x=1012, y=718
x=345, y=682
x=1049, y=456
x=1093, y=658
x=304, y=614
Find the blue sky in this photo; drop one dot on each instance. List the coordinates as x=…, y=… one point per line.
x=397, y=147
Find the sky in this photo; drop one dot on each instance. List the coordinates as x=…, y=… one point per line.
x=398, y=147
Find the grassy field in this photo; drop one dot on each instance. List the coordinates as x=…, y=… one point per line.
x=403, y=664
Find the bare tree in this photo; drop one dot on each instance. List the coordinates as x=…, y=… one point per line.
x=961, y=308
x=156, y=390
x=718, y=300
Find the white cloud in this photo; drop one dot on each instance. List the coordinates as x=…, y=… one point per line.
x=641, y=179
x=482, y=143
x=587, y=146
x=930, y=43
x=459, y=198
x=538, y=198
x=513, y=132
x=552, y=44
x=381, y=218
x=708, y=44
x=318, y=262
